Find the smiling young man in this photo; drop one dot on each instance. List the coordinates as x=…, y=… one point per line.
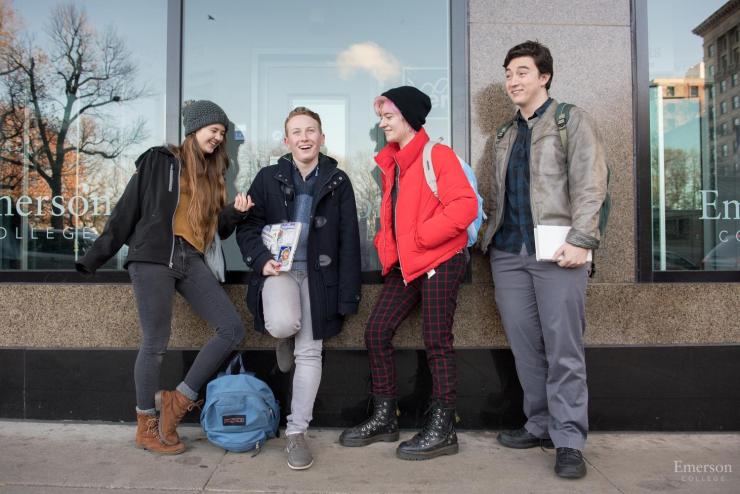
x=307, y=304
x=542, y=304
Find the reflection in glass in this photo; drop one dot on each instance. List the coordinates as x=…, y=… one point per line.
x=260, y=59
x=75, y=111
x=694, y=134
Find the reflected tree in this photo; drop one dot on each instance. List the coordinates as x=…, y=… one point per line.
x=682, y=178
x=58, y=103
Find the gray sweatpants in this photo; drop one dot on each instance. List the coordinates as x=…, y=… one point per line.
x=542, y=308
x=287, y=307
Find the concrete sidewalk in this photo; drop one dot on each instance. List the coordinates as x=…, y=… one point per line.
x=93, y=458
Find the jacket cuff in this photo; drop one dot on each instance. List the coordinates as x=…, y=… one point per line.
x=233, y=216
x=257, y=264
x=81, y=268
x=582, y=240
x=346, y=308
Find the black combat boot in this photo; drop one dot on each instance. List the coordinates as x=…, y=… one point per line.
x=381, y=426
x=437, y=436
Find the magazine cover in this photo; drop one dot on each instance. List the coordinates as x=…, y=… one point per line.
x=281, y=239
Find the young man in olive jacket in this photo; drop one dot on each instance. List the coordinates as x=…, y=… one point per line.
x=542, y=304
x=307, y=304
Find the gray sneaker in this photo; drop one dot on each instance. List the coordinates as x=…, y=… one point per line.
x=299, y=456
x=284, y=353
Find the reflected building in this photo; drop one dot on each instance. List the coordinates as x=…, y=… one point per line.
x=722, y=59
x=695, y=135
x=721, y=159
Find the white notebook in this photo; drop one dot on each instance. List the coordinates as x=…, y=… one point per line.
x=548, y=239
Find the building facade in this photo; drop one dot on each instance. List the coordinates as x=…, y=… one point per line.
x=663, y=336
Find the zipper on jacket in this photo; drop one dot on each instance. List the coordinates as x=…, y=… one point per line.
x=397, y=185
x=177, y=203
x=385, y=240
x=531, y=188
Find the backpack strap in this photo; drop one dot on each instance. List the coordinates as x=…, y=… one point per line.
x=562, y=114
x=428, y=167
x=236, y=365
x=502, y=130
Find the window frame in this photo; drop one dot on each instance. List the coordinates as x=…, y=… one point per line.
x=643, y=220
x=459, y=123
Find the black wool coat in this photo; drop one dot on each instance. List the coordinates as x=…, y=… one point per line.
x=333, y=242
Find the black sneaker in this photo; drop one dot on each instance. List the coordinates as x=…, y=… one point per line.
x=569, y=463
x=522, y=439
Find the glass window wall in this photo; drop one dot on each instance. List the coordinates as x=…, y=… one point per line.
x=261, y=59
x=83, y=89
x=695, y=193
x=81, y=96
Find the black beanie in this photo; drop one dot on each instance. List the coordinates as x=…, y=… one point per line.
x=198, y=114
x=414, y=104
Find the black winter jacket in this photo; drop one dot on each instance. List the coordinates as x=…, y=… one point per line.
x=333, y=252
x=144, y=215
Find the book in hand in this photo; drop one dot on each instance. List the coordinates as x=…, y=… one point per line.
x=548, y=239
x=281, y=239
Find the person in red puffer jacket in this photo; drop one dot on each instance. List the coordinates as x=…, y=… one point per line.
x=421, y=245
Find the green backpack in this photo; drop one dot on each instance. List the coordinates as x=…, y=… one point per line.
x=562, y=113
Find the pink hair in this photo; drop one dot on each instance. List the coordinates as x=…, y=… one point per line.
x=383, y=102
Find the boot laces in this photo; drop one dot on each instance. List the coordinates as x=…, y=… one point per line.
x=192, y=405
x=566, y=453
x=295, y=441
x=432, y=419
x=152, y=427
x=195, y=404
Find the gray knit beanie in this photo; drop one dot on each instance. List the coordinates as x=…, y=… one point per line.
x=198, y=114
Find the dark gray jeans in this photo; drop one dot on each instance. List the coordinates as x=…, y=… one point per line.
x=154, y=288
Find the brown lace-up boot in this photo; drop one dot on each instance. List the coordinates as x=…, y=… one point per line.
x=172, y=406
x=147, y=436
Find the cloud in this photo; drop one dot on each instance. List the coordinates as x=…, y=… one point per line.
x=368, y=56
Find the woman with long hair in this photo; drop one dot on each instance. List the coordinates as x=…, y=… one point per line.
x=169, y=215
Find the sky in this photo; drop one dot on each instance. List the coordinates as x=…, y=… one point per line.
x=672, y=47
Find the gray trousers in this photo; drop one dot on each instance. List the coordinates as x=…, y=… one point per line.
x=154, y=288
x=287, y=307
x=542, y=308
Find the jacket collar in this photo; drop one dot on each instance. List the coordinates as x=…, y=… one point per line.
x=537, y=113
x=163, y=149
x=405, y=157
x=545, y=124
x=285, y=166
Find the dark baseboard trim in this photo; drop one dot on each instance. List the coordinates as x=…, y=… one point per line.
x=690, y=388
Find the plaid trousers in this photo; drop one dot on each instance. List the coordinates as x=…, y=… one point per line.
x=438, y=297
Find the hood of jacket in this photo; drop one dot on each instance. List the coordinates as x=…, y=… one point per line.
x=285, y=165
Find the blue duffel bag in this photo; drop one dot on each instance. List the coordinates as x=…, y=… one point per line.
x=240, y=412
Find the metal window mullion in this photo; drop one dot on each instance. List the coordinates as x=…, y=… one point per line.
x=459, y=78
x=173, y=85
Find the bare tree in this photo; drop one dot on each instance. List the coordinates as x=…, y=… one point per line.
x=682, y=179
x=66, y=96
